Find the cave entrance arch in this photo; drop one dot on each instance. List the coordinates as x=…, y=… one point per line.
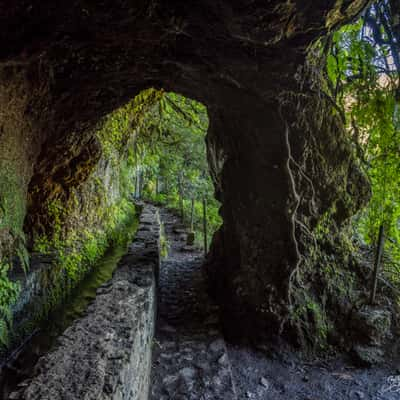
x=246, y=63
x=168, y=149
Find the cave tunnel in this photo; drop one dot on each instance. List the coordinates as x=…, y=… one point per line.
x=64, y=67
x=277, y=153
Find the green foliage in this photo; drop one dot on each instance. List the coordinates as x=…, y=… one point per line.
x=171, y=162
x=364, y=79
x=155, y=145
x=163, y=243
x=12, y=242
x=119, y=128
x=78, y=251
x=8, y=293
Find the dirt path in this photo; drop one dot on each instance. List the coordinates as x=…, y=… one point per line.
x=192, y=361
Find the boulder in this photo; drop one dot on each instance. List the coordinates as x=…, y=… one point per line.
x=371, y=325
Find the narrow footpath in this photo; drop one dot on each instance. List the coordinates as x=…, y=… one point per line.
x=190, y=359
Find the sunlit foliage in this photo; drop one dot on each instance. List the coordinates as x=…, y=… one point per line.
x=363, y=68
x=171, y=159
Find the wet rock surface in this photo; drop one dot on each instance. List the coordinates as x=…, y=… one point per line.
x=107, y=353
x=190, y=359
x=372, y=324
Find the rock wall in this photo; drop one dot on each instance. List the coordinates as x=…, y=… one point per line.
x=22, y=99
x=288, y=182
x=83, y=210
x=107, y=354
x=278, y=152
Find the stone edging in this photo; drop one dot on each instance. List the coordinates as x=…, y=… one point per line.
x=107, y=353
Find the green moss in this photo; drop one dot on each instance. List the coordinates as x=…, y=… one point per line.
x=83, y=221
x=77, y=250
x=8, y=294
x=163, y=243
x=328, y=284
x=12, y=241
x=118, y=128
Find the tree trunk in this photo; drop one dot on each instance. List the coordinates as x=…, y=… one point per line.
x=205, y=226
x=180, y=189
x=379, y=253
x=192, y=216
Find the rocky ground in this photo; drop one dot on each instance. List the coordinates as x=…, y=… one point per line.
x=192, y=361
x=284, y=376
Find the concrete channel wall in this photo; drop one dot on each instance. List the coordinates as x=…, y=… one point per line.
x=107, y=354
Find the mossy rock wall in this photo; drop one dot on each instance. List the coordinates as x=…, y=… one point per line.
x=240, y=59
x=88, y=209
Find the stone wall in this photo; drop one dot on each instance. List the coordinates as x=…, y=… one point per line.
x=107, y=354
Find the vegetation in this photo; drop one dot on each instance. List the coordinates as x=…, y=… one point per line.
x=171, y=163
x=8, y=294
x=154, y=146
x=94, y=216
x=164, y=137
x=12, y=242
x=78, y=250
x=363, y=68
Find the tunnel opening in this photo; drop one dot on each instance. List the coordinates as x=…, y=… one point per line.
x=283, y=167
x=157, y=145
x=152, y=149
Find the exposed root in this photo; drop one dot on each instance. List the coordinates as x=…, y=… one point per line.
x=293, y=216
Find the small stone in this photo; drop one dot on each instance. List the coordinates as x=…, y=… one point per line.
x=188, y=373
x=217, y=381
x=203, y=365
x=357, y=394
x=167, y=356
x=223, y=360
x=217, y=345
x=368, y=355
x=249, y=395
x=170, y=380
x=264, y=382
x=187, y=357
